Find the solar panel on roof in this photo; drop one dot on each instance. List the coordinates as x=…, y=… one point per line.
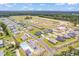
x=76, y=32
x=38, y=33
x=72, y=34
x=66, y=36
x=28, y=52
x=59, y=38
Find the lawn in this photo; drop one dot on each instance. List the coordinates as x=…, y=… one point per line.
x=2, y=37
x=22, y=53
x=58, y=43
x=9, y=53
x=66, y=48
x=18, y=18
x=8, y=38
x=34, y=30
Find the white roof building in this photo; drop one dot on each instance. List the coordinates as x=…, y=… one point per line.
x=28, y=50
x=53, y=41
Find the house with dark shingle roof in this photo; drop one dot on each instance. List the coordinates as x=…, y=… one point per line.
x=38, y=33
x=60, y=38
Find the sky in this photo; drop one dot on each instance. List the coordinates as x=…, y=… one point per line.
x=39, y=7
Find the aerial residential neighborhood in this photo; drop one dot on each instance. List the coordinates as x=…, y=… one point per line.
x=36, y=36
x=39, y=33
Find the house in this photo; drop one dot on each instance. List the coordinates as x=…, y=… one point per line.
x=76, y=32
x=72, y=34
x=61, y=27
x=47, y=31
x=66, y=36
x=76, y=29
x=24, y=37
x=1, y=53
x=38, y=33
x=1, y=43
x=28, y=50
x=52, y=41
x=30, y=28
x=60, y=38
x=32, y=43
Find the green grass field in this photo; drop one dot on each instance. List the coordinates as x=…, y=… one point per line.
x=58, y=43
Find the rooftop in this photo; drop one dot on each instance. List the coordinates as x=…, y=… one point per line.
x=25, y=46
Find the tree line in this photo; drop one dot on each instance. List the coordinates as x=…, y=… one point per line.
x=67, y=17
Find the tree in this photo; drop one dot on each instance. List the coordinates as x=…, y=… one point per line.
x=71, y=48
x=63, y=53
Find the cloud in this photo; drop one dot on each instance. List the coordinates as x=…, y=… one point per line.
x=71, y=8
x=60, y=3
x=39, y=9
x=30, y=9
x=50, y=9
x=14, y=3
x=42, y=4
x=30, y=4
x=2, y=3
x=25, y=7
x=72, y=3
x=7, y=5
